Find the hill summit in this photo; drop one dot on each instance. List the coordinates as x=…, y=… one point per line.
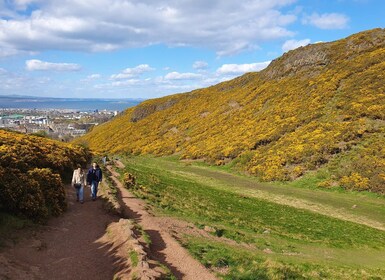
x=319, y=107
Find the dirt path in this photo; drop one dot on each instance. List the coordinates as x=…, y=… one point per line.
x=73, y=246
x=164, y=248
x=69, y=247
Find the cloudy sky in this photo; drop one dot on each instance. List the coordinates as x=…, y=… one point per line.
x=148, y=48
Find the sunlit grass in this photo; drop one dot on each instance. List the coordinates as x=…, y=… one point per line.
x=289, y=233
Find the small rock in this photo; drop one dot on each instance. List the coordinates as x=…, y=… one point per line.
x=209, y=229
x=267, y=251
x=354, y=206
x=266, y=231
x=38, y=244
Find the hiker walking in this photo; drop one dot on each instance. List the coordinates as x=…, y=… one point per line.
x=78, y=181
x=94, y=177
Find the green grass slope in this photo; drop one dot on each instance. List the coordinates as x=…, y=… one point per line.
x=319, y=106
x=254, y=231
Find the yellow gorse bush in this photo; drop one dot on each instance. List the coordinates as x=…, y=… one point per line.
x=355, y=182
x=31, y=172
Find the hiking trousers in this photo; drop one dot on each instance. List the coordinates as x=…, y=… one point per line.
x=80, y=193
x=94, y=189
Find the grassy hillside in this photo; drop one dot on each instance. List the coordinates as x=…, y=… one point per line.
x=319, y=106
x=31, y=173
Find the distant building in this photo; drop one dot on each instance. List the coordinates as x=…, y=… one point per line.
x=78, y=132
x=56, y=123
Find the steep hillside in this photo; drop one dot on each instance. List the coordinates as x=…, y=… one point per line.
x=319, y=105
x=31, y=172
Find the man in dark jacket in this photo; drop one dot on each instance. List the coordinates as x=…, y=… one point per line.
x=94, y=177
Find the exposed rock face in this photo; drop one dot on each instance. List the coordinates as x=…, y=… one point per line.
x=300, y=59
x=366, y=41
x=316, y=56
x=144, y=110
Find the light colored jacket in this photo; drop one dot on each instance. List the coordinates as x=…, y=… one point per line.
x=78, y=177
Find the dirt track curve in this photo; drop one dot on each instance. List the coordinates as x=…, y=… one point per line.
x=164, y=247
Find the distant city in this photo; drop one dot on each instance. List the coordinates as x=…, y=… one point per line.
x=58, y=118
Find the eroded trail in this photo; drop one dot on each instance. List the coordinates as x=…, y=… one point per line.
x=164, y=247
x=69, y=247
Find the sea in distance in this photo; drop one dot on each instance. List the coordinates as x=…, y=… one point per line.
x=79, y=104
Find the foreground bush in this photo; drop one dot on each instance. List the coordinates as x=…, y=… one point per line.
x=31, y=173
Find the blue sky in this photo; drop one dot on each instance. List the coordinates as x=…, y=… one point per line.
x=146, y=49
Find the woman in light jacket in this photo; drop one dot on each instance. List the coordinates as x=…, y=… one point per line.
x=79, y=181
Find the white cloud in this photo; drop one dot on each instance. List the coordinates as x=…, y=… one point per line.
x=232, y=69
x=15, y=83
x=7, y=51
x=178, y=88
x=130, y=82
x=132, y=72
x=94, y=76
x=23, y=4
x=327, y=21
x=91, y=78
x=38, y=65
x=182, y=76
x=227, y=27
x=199, y=65
x=140, y=69
x=293, y=44
x=121, y=76
x=127, y=83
